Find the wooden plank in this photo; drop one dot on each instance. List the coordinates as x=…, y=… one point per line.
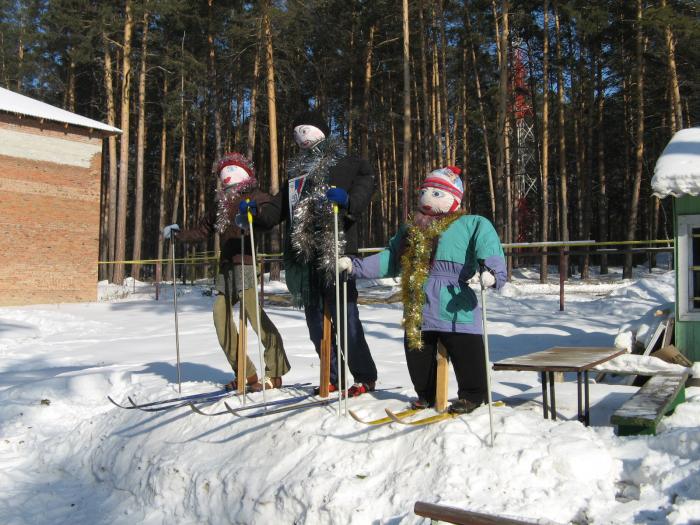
x=325, y=356
x=443, y=368
x=462, y=517
x=241, y=350
x=655, y=338
x=668, y=332
x=650, y=403
x=560, y=359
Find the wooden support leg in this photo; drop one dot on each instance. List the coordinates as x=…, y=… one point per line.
x=325, y=352
x=241, y=352
x=443, y=368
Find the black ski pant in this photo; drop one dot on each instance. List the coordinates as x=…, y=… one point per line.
x=360, y=362
x=466, y=351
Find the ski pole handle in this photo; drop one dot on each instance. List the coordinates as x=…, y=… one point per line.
x=249, y=213
x=335, y=205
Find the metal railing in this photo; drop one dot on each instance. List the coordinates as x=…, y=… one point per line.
x=560, y=251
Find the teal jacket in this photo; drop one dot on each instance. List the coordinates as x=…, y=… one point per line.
x=450, y=304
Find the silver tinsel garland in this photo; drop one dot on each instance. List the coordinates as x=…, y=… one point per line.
x=227, y=203
x=313, y=233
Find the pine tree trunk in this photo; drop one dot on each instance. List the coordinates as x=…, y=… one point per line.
x=464, y=113
x=140, y=149
x=427, y=147
x=163, y=179
x=502, y=223
x=272, y=120
x=639, y=138
x=544, y=228
x=366, y=94
x=351, y=84
x=482, y=118
x=120, y=251
x=113, y=173
x=406, y=162
x=602, y=182
x=563, y=181
x=677, y=114
x=215, y=106
x=253, y=119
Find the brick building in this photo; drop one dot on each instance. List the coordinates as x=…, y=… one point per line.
x=50, y=165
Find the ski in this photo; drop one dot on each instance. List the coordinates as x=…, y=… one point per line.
x=166, y=401
x=385, y=419
x=176, y=402
x=158, y=407
x=284, y=401
x=296, y=406
x=419, y=422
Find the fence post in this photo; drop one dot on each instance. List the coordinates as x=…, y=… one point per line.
x=562, y=269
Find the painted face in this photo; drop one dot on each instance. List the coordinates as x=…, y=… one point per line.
x=307, y=136
x=232, y=175
x=433, y=201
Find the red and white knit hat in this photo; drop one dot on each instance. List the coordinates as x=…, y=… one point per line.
x=240, y=170
x=446, y=179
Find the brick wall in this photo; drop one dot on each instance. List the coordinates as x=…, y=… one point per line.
x=49, y=213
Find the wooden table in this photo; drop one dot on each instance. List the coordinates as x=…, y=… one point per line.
x=579, y=359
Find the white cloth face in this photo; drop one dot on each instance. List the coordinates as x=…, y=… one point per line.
x=307, y=136
x=434, y=201
x=232, y=175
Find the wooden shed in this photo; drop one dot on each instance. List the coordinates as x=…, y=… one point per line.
x=677, y=174
x=50, y=173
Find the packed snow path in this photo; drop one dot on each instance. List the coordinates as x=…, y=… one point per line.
x=67, y=455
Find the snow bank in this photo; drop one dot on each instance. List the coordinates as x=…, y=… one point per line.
x=69, y=456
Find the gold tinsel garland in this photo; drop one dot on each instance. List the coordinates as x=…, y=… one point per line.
x=415, y=267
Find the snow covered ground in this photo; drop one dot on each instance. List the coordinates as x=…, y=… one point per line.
x=67, y=455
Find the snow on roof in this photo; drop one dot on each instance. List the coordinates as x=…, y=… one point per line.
x=12, y=102
x=677, y=171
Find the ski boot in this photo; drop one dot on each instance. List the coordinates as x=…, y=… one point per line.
x=273, y=382
x=252, y=384
x=463, y=406
x=360, y=388
x=421, y=404
x=331, y=388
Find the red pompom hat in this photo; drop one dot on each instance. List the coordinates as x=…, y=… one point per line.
x=446, y=179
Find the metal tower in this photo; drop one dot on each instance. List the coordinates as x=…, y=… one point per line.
x=526, y=176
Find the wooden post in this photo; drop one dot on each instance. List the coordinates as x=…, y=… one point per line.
x=325, y=352
x=242, y=351
x=562, y=277
x=443, y=368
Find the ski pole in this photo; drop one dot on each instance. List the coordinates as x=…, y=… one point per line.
x=257, y=300
x=177, y=333
x=486, y=348
x=345, y=335
x=337, y=310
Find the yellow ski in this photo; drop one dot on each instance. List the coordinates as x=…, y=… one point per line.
x=386, y=419
x=418, y=422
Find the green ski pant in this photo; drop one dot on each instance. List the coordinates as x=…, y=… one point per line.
x=276, y=363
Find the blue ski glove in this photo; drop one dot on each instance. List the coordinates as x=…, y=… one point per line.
x=246, y=206
x=339, y=196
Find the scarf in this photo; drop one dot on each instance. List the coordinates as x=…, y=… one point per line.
x=309, y=254
x=421, y=241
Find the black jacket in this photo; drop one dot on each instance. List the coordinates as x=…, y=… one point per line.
x=355, y=176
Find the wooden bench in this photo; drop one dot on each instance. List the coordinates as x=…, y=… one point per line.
x=443, y=513
x=641, y=413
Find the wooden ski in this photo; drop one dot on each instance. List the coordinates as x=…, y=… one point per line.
x=386, y=419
